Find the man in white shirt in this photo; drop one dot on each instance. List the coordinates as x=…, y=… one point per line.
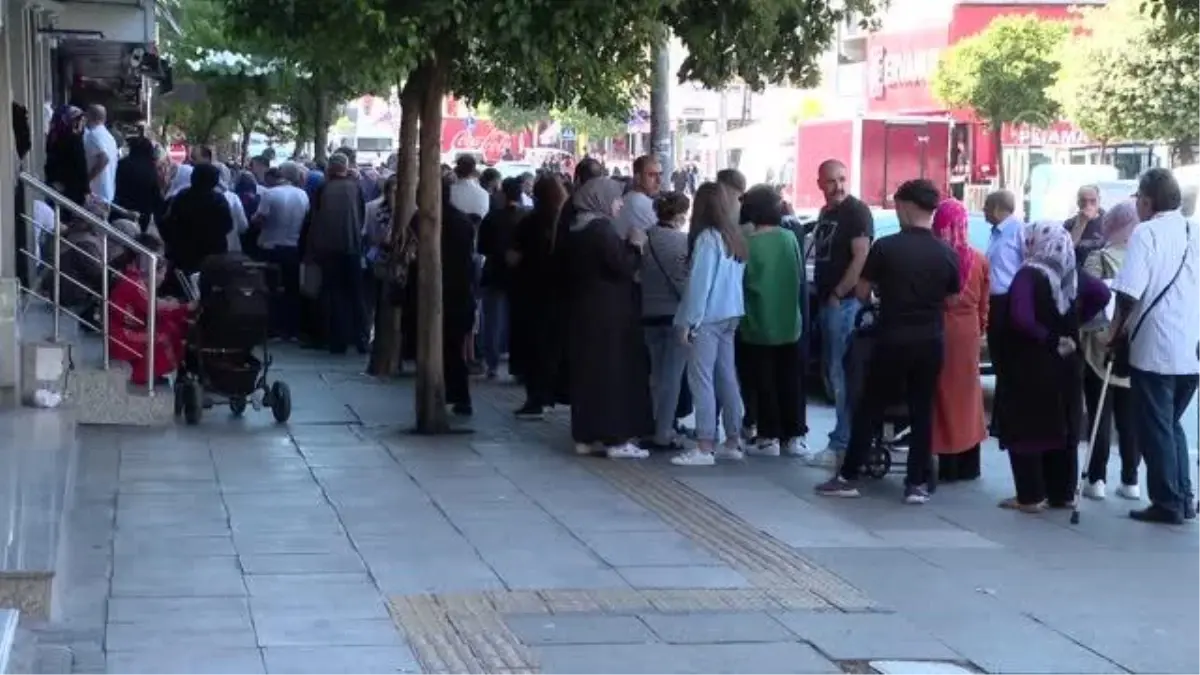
x=280, y=218
x=1158, y=310
x=638, y=209
x=466, y=194
x=101, y=150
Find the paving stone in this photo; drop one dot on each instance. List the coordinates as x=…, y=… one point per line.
x=193, y=578
x=630, y=549
x=134, y=544
x=263, y=543
x=919, y=668
x=300, y=563
x=579, y=629
x=552, y=574
x=448, y=576
x=162, y=661
x=862, y=636
x=340, y=660
x=988, y=641
x=135, y=487
x=296, y=584
x=342, y=602
x=313, y=629
x=780, y=657
x=224, y=634
x=170, y=611
x=683, y=577
x=717, y=627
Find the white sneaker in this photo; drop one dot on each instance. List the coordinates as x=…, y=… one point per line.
x=729, y=453
x=694, y=457
x=1130, y=492
x=585, y=449
x=1094, y=490
x=798, y=447
x=828, y=458
x=626, y=451
x=766, y=447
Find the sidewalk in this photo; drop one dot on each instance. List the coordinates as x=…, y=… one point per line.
x=343, y=544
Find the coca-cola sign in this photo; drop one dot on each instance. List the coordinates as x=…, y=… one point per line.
x=481, y=137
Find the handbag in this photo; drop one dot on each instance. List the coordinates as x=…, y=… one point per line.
x=1121, y=346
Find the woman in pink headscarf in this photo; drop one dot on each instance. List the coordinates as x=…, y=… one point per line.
x=958, y=418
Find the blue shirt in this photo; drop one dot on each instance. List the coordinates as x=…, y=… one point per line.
x=714, y=288
x=1005, y=253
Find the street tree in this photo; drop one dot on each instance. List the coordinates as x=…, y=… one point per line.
x=1004, y=74
x=1133, y=76
x=583, y=122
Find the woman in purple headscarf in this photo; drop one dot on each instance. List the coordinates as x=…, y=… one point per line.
x=958, y=418
x=66, y=162
x=1117, y=225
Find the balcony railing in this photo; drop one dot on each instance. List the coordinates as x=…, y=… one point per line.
x=51, y=272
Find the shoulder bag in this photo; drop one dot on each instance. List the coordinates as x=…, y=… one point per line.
x=658, y=263
x=1121, y=346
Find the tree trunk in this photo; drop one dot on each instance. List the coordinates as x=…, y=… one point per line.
x=1183, y=152
x=320, y=125
x=385, y=351
x=244, y=144
x=999, y=149
x=431, y=376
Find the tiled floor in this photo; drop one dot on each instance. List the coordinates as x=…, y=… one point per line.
x=240, y=546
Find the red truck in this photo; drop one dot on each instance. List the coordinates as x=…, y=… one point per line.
x=880, y=153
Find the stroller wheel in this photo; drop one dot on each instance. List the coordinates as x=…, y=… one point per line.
x=281, y=402
x=237, y=406
x=878, y=463
x=193, y=402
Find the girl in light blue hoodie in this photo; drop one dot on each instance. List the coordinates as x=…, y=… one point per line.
x=707, y=319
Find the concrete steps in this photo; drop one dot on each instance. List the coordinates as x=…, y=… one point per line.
x=99, y=396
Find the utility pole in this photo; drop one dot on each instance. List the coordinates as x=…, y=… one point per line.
x=660, y=107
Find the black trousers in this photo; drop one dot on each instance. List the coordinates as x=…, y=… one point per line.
x=744, y=364
x=774, y=372
x=914, y=366
x=1118, y=409
x=454, y=365
x=1045, y=476
x=341, y=298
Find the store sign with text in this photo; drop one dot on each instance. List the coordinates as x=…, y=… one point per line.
x=1058, y=134
x=891, y=69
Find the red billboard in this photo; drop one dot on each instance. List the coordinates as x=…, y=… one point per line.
x=466, y=133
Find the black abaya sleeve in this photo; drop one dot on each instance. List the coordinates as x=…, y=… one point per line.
x=618, y=259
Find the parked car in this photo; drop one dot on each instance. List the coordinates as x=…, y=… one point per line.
x=979, y=232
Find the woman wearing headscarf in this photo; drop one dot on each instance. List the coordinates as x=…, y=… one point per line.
x=458, y=303
x=959, y=425
x=137, y=182
x=1117, y=226
x=241, y=224
x=535, y=314
x=246, y=189
x=66, y=167
x=610, y=397
x=1042, y=400
x=180, y=180
x=198, y=221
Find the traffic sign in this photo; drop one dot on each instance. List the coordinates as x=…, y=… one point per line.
x=568, y=134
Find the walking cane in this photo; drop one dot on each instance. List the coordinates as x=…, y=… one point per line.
x=1087, y=460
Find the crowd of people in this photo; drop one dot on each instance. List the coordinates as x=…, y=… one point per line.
x=640, y=307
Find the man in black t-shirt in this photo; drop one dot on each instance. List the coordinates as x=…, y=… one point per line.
x=912, y=272
x=841, y=240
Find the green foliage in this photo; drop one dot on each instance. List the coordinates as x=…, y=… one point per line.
x=1005, y=72
x=511, y=118
x=1178, y=16
x=759, y=42
x=1132, y=76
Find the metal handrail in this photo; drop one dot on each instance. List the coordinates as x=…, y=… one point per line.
x=60, y=202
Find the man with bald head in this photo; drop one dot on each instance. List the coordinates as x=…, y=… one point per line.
x=841, y=240
x=101, y=150
x=1005, y=253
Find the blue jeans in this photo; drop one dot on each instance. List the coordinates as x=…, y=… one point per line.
x=1158, y=403
x=837, y=325
x=668, y=360
x=493, y=332
x=712, y=376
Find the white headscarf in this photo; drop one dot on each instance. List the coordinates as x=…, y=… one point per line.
x=181, y=181
x=1049, y=249
x=594, y=200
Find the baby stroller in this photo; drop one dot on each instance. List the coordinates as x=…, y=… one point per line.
x=219, y=361
x=889, y=435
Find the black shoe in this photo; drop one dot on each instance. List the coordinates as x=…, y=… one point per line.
x=1189, y=510
x=530, y=411
x=462, y=410
x=1156, y=514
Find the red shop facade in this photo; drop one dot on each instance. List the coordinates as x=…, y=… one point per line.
x=900, y=66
